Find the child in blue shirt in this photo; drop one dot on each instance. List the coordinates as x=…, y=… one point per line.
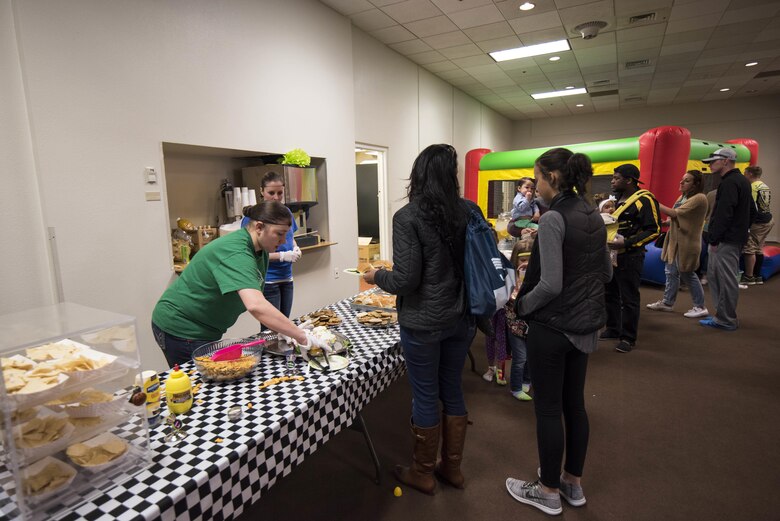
x=524, y=206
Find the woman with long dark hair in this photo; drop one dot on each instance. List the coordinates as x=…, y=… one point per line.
x=682, y=246
x=562, y=299
x=222, y=281
x=436, y=329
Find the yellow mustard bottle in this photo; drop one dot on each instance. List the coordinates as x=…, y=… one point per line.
x=178, y=391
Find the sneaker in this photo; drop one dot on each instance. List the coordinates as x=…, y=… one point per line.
x=660, y=306
x=696, y=312
x=569, y=491
x=526, y=388
x=531, y=493
x=704, y=280
x=624, y=346
x=710, y=322
x=489, y=374
x=758, y=281
x=747, y=281
x=606, y=335
x=743, y=286
x=500, y=377
x=522, y=396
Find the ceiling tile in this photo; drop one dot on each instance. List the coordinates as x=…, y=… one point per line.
x=596, y=56
x=411, y=47
x=445, y=66
x=382, y=3
x=697, y=9
x=771, y=32
x=426, y=57
x=520, y=63
x=393, y=34
x=432, y=26
x=536, y=22
x=636, y=7
x=691, y=24
x=455, y=74
x=349, y=7
x=462, y=51
x=484, y=15
x=498, y=82
x=473, y=61
x=543, y=36
x=642, y=45
x=679, y=48
x=500, y=44
x=444, y=40
x=756, y=12
x=639, y=33
x=451, y=6
x=372, y=20
x=689, y=36
x=412, y=10
x=489, y=31
x=479, y=71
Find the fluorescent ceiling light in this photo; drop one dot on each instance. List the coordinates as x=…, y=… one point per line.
x=554, y=58
x=558, y=93
x=530, y=50
x=527, y=6
x=751, y=64
x=580, y=105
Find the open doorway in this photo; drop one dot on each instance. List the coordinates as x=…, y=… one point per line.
x=370, y=173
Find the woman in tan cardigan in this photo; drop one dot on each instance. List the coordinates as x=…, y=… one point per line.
x=682, y=246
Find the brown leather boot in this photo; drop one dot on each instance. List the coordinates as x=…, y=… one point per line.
x=420, y=474
x=453, y=438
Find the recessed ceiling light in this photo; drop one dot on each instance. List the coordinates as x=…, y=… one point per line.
x=725, y=89
x=554, y=58
x=558, y=93
x=580, y=105
x=527, y=6
x=570, y=87
x=751, y=64
x=530, y=50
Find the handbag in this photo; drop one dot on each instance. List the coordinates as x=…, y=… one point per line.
x=659, y=241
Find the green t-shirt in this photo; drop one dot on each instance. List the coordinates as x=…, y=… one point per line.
x=203, y=302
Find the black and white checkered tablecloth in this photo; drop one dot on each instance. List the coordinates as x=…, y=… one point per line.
x=202, y=479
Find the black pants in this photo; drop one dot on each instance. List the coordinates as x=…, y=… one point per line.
x=558, y=376
x=622, y=296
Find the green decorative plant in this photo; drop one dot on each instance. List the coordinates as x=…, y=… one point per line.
x=297, y=157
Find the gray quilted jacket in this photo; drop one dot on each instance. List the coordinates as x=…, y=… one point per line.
x=425, y=277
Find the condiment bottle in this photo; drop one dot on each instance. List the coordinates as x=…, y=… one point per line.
x=149, y=383
x=178, y=391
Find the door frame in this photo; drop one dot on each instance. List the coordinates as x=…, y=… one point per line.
x=385, y=249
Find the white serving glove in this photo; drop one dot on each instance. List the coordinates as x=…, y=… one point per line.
x=311, y=341
x=290, y=256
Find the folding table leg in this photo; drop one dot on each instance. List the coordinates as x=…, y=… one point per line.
x=360, y=425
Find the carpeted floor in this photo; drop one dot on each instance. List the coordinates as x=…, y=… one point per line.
x=685, y=427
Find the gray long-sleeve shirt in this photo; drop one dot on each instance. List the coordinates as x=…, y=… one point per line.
x=552, y=230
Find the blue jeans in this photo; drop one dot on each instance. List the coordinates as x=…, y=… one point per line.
x=280, y=294
x=434, y=361
x=673, y=276
x=176, y=350
x=520, y=373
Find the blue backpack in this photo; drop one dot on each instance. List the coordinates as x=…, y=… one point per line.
x=488, y=276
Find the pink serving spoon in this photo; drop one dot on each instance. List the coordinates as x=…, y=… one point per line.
x=233, y=352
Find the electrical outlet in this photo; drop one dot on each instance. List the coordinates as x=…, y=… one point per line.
x=336, y=273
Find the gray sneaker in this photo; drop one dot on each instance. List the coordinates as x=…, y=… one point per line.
x=531, y=493
x=572, y=494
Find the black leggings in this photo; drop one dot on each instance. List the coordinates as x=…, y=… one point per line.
x=558, y=377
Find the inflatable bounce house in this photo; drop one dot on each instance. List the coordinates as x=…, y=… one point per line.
x=662, y=154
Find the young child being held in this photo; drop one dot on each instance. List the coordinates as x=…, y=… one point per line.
x=524, y=205
x=520, y=375
x=606, y=208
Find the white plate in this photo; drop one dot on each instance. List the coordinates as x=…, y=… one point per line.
x=99, y=440
x=337, y=363
x=39, y=465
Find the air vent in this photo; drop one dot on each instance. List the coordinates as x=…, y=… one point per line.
x=603, y=93
x=599, y=83
x=641, y=18
x=634, y=98
x=638, y=64
x=767, y=74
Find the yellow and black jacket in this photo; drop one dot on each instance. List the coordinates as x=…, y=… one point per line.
x=639, y=220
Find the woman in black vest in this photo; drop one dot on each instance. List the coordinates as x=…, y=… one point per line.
x=562, y=299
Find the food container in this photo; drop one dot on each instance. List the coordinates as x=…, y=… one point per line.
x=226, y=370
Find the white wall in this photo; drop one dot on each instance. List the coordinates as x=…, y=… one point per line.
x=93, y=88
x=756, y=117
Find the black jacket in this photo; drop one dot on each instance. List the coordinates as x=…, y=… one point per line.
x=640, y=223
x=580, y=307
x=426, y=274
x=734, y=210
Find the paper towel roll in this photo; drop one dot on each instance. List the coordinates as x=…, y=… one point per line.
x=237, y=204
x=252, y=197
x=244, y=196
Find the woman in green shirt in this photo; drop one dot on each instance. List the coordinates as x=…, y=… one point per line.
x=222, y=281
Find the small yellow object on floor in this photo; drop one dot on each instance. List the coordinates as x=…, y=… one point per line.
x=397, y=492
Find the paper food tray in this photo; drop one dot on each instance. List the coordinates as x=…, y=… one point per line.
x=28, y=453
x=92, y=410
x=23, y=400
x=39, y=465
x=99, y=440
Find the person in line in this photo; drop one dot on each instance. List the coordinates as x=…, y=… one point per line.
x=753, y=254
x=496, y=349
x=524, y=204
x=222, y=281
x=436, y=329
x=704, y=257
x=562, y=299
x=682, y=246
x=638, y=224
x=727, y=234
x=520, y=374
x=279, y=278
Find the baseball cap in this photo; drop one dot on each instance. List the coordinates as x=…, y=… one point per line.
x=721, y=153
x=629, y=171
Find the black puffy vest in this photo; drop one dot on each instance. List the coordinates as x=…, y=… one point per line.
x=580, y=307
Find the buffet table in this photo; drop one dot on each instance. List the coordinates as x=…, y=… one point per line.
x=223, y=465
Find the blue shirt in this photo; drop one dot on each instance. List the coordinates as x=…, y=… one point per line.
x=279, y=271
x=522, y=208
